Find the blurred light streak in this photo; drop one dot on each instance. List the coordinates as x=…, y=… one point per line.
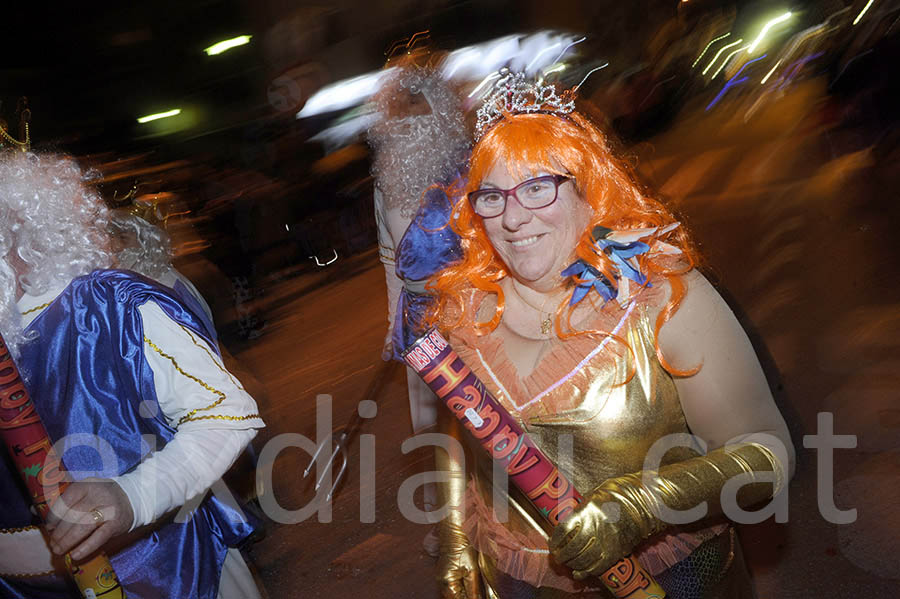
x=538, y=55
x=849, y=62
x=159, y=115
x=799, y=39
x=555, y=69
x=760, y=101
x=518, y=52
x=860, y=15
x=891, y=28
x=733, y=82
x=795, y=68
x=335, y=136
x=836, y=14
x=226, y=45
x=766, y=28
x=137, y=172
x=766, y=78
x=567, y=47
x=344, y=93
x=458, y=59
x=653, y=89
x=591, y=72
x=498, y=53
x=725, y=62
x=713, y=41
x=483, y=82
x=316, y=258
x=719, y=53
x=407, y=42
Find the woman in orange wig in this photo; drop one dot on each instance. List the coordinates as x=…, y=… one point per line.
x=577, y=303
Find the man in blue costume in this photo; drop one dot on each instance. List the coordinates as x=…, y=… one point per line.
x=126, y=374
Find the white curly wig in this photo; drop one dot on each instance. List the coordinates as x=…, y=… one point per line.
x=53, y=228
x=411, y=152
x=143, y=247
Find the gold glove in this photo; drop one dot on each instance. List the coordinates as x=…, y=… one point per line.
x=457, y=571
x=625, y=510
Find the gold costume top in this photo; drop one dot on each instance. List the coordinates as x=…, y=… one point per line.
x=580, y=411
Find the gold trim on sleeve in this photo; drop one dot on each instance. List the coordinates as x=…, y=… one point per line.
x=35, y=575
x=223, y=417
x=236, y=382
x=12, y=531
x=190, y=415
x=36, y=308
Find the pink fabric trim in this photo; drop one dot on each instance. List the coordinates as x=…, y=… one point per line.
x=488, y=357
x=581, y=364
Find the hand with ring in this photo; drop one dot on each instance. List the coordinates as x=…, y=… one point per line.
x=86, y=515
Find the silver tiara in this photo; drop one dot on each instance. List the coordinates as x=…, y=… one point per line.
x=516, y=94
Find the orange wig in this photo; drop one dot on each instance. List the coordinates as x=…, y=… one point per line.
x=573, y=146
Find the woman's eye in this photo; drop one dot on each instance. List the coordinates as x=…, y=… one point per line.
x=536, y=189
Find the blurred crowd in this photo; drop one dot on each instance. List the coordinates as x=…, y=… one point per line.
x=265, y=202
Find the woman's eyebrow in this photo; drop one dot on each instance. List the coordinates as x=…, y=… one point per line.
x=487, y=185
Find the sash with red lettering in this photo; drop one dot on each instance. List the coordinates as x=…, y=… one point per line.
x=498, y=433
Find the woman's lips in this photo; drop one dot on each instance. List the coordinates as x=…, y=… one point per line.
x=525, y=241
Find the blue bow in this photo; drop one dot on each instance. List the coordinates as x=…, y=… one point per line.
x=590, y=278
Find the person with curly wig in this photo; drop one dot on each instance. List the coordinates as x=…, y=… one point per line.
x=419, y=142
x=578, y=303
x=127, y=371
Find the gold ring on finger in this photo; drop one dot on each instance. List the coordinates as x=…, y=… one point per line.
x=97, y=516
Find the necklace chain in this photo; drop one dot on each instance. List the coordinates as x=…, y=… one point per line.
x=546, y=323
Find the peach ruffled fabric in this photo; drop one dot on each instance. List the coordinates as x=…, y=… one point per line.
x=559, y=364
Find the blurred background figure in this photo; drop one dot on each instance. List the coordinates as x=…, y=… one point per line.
x=419, y=142
x=145, y=248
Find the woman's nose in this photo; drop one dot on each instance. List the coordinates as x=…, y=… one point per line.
x=515, y=214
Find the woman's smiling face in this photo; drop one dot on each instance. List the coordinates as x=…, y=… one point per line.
x=536, y=245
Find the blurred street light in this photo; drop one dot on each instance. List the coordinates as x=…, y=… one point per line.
x=765, y=30
x=159, y=115
x=725, y=62
x=862, y=12
x=766, y=78
x=226, y=45
x=713, y=41
x=719, y=53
